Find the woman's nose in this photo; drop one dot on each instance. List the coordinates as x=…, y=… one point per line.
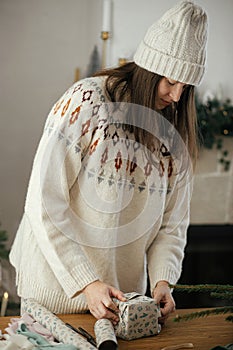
x=176, y=92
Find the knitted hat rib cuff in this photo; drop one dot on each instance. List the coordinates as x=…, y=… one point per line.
x=170, y=67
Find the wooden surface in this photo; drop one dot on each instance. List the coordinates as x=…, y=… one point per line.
x=203, y=333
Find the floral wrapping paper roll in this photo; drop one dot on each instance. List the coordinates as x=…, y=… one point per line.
x=55, y=325
x=138, y=317
x=104, y=331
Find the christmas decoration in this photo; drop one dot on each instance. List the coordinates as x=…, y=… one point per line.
x=215, y=120
x=94, y=64
x=224, y=292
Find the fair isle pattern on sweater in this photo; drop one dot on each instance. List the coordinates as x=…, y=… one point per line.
x=112, y=161
x=60, y=109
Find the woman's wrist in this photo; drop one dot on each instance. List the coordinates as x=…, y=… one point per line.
x=159, y=284
x=162, y=282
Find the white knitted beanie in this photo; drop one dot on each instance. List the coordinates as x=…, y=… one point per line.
x=175, y=46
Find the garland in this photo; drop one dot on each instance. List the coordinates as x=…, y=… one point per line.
x=215, y=120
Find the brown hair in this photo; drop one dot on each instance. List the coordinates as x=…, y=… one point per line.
x=133, y=84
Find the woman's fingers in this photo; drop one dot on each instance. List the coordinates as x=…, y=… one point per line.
x=162, y=319
x=163, y=297
x=168, y=307
x=116, y=293
x=101, y=311
x=109, y=304
x=99, y=298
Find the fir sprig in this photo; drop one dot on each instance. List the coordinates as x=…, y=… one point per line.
x=216, y=290
x=224, y=295
x=204, y=313
x=203, y=287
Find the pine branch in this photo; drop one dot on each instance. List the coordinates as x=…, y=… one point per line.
x=223, y=295
x=205, y=313
x=215, y=290
x=202, y=288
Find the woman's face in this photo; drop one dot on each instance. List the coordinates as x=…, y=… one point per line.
x=169, y=91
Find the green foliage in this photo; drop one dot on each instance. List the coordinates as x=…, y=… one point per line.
x=204, y=313
x=3, y=239
x=203, y=288
x=215, y=120
x=215, y=290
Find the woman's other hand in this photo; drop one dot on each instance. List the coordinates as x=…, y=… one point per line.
x=163, y=297
x=99, y=299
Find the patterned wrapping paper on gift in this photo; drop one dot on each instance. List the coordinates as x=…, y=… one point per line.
x=138, y=317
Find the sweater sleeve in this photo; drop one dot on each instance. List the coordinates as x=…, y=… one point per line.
x=166, y=252
x=67, y=135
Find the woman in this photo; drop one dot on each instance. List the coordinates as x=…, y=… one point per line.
x=108, y=198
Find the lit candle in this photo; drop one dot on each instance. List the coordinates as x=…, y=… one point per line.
x=107, y=4
x=4, y=304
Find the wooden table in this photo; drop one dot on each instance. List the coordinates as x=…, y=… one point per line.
x=204, y=333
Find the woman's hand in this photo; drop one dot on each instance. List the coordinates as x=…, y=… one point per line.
x=163, y=297
x=99, y=299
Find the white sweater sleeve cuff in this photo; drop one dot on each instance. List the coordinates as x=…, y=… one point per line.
x=78, y=279
x=164, y=274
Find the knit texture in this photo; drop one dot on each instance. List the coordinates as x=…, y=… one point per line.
x=96, y=208
x=175, y=46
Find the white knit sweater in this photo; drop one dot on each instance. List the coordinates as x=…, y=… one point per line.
x=96, y=208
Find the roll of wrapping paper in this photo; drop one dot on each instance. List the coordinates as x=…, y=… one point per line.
x=104, y=333
x=55, y=325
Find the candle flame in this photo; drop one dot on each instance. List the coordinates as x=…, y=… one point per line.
x=5, y=295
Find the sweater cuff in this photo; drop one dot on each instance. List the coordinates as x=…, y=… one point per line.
x=78, y=278
x=164, y=274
